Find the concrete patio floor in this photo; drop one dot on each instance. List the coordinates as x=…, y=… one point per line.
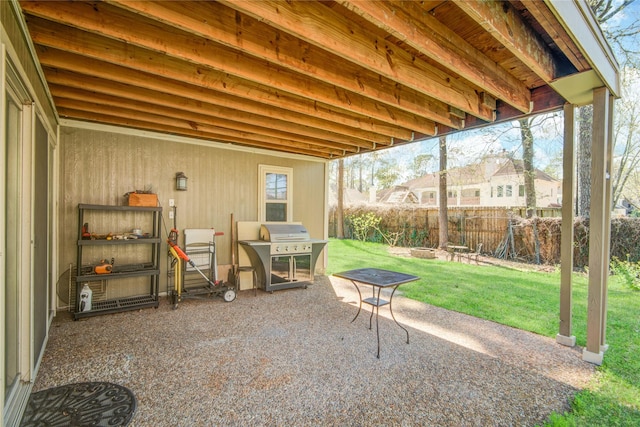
x=293, y=358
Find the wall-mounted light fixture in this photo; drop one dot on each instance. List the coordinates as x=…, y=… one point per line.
x=181, y=181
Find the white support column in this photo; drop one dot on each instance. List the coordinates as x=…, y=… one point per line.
x=598, y=245
x=565, y=336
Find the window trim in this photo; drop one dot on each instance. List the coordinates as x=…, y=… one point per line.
x=263, y=170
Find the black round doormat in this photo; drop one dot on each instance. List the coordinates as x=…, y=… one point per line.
x=80, y=404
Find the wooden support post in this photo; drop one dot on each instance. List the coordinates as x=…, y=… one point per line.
x=565, y=336
x=607, y=225
x=598, y=245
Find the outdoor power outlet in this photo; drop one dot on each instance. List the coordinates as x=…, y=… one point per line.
x=172, y=202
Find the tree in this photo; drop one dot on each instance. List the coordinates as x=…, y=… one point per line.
x=585, y=120
x=340, y=209
x=604, y=10
x=387, y=174
x=420, y=165
x=355, y=170
x=443, y=214
x=529, y=171
x=360, y=171
x=627, y=136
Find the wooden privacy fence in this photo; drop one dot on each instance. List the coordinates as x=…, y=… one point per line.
x=418, y=226
x=502, y=231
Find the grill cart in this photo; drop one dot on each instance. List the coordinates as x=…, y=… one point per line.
x=284, y=257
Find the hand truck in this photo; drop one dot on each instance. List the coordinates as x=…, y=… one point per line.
x=212, y=286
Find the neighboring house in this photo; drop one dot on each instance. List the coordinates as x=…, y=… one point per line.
x=351, y=196
x=628, y=206
x=494, y=181
x=398, y=194
x=507, y=187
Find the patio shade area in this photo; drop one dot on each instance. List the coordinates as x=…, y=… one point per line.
x=321, y=78
x=106, y=97
x=294, y=358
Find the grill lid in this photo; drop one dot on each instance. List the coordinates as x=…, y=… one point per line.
x=283, y=232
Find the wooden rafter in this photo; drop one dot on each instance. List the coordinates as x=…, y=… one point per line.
x=242, y=33
x=290, y=109
x=307, y=76
x=131, y=118
x=71, y=98
x=540, y=11
x=67, y=84
x=500, y=19
x=364, y=48
x=433, y=39
x=180, y=52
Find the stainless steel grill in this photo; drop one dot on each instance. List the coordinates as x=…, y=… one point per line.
x=283, y=232
x=285, y=255
x=286, y=238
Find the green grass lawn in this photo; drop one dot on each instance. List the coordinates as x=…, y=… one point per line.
x=527, y=300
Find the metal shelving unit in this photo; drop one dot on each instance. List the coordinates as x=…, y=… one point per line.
x=149, y=268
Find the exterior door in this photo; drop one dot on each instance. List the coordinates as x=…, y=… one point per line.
x=11, y=250
x=41, y=282
x=24, y=258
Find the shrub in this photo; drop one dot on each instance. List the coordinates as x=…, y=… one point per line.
x=628, y=271
x=363, y=224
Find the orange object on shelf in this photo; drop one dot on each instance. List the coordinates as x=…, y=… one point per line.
x=143, y=199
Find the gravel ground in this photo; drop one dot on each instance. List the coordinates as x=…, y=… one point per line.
x=293, y=358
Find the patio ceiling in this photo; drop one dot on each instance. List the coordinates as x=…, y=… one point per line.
x=320, y=78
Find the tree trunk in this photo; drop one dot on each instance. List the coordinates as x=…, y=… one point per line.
x=360, y=173
x=340, y=209
x=585, y=120
x=443, y=216
x=529, y=171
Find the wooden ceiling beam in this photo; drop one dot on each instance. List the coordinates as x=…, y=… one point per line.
x=327, y=29
x=57, y=65
x=505, y=25
x=161, y=51
x=67, y=81
x=87, y=110
x=544, y=100
x=325, y=78
x=213, y=21
x=409, y=23
x=94, y=98
x=541, y=13
x=162, y=128
x=247, y=98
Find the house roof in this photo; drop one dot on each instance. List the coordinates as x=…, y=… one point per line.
x=464, y=175
x=325, y=79
x=397, y=194
x=425, y=181
x=516, y=167
x=351, y=196
x=476, y=173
